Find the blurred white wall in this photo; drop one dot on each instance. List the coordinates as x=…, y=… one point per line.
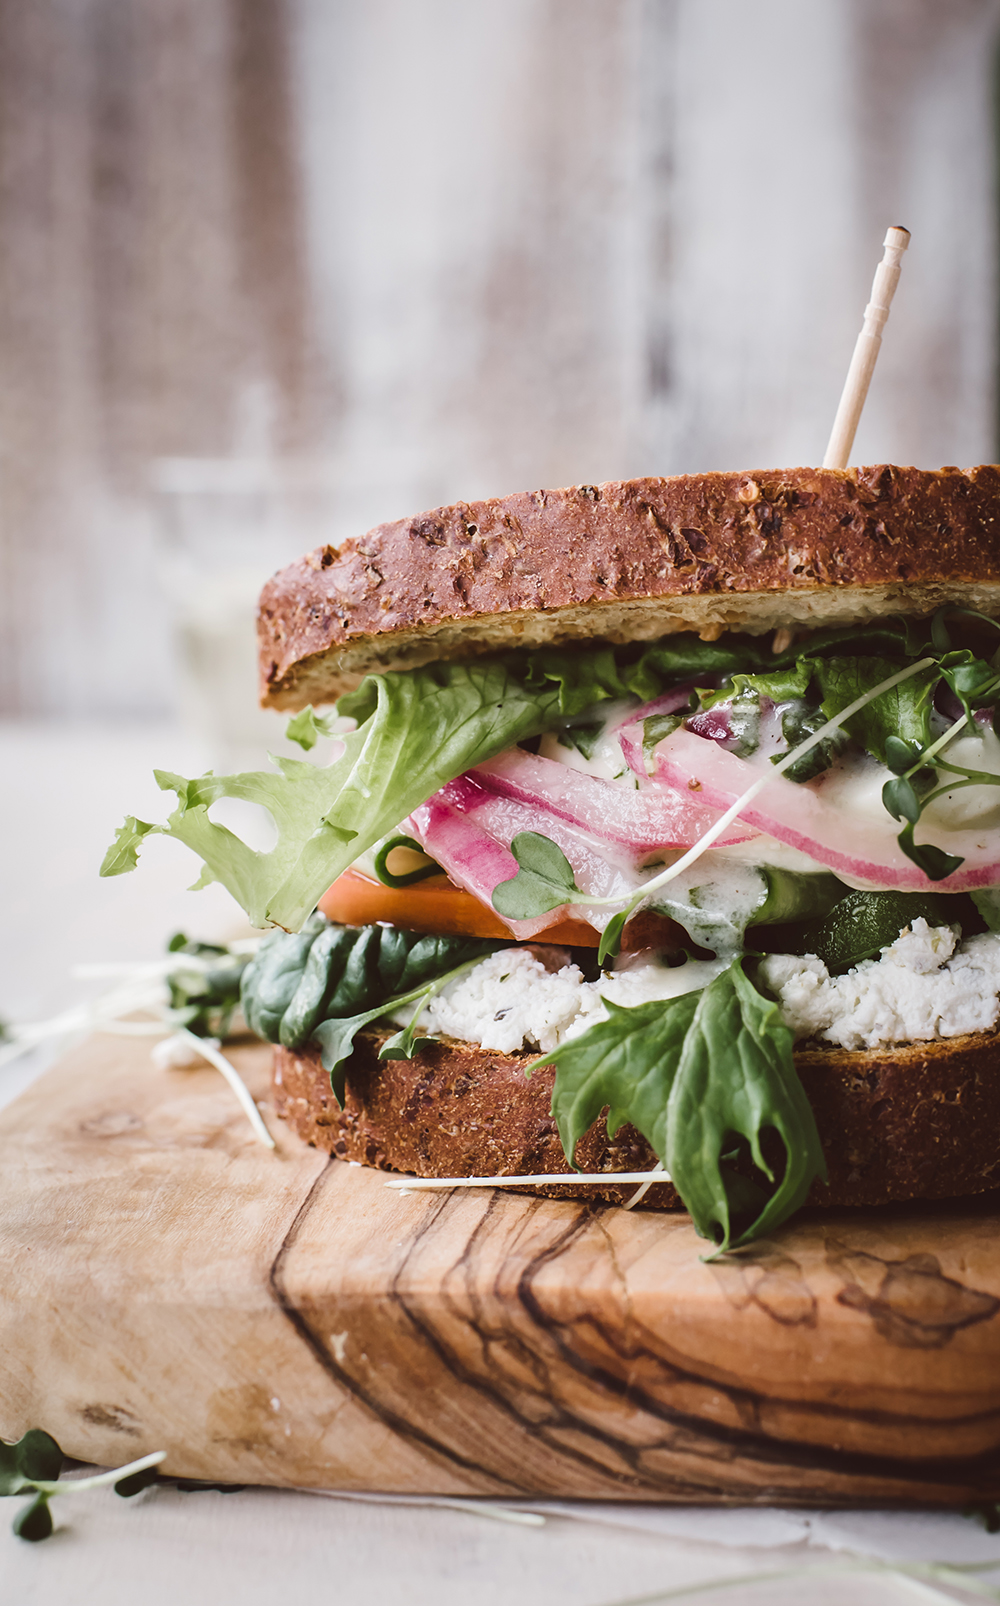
x=407, y=252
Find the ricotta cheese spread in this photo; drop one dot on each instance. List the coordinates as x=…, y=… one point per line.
x=511, y=1001
x=925, y=985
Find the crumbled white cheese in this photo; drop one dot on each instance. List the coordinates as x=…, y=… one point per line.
x=923, y=986
x=511, y=1000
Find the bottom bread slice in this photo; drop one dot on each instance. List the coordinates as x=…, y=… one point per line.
x=918, y=1121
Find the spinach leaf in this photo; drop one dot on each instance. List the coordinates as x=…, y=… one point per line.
x=628, y=1063
x=781, y=685
x=202, y=999
x=336, y=1036
x=736, y=1079
x=902, y=712
x=329, y=972
x=695, y=1074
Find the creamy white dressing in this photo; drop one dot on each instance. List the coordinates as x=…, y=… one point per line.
x=607, y=761
x=767, y=852
x=971, y=807
x=854, y=785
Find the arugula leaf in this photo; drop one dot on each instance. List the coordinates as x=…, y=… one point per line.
x=545, y=879
x=692, y=1074
x=307, y=727
x=895, y=636
x=330, y=972
x=902, y=712
x=941, y=635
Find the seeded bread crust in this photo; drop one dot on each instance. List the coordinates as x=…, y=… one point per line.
x=918, y=1121
x=627, y=561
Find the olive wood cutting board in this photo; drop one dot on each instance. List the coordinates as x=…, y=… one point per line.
x=168, y=1283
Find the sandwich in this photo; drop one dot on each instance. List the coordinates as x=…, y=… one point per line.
x=662, y=837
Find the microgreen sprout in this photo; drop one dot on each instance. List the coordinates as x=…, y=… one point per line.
x=192, y=996
x=33, y=1465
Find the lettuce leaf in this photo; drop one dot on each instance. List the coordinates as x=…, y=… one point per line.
x=417, y=730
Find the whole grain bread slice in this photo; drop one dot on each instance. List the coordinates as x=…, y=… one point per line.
x=631, y=560
x=917, y=1121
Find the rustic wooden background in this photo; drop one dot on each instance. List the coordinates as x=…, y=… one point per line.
x=399, y=253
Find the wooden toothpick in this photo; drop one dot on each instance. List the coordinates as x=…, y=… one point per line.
x=866, y=351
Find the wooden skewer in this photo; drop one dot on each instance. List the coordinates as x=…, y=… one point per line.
x=866, y=350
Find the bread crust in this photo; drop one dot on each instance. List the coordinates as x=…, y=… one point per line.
x=918, y=1121
x=631, y=560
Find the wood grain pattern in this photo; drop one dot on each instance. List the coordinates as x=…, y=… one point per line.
x=166, y=1283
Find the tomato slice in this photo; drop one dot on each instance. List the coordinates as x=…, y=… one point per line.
x=435, y=905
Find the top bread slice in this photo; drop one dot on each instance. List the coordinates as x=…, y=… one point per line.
x=631, y=560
